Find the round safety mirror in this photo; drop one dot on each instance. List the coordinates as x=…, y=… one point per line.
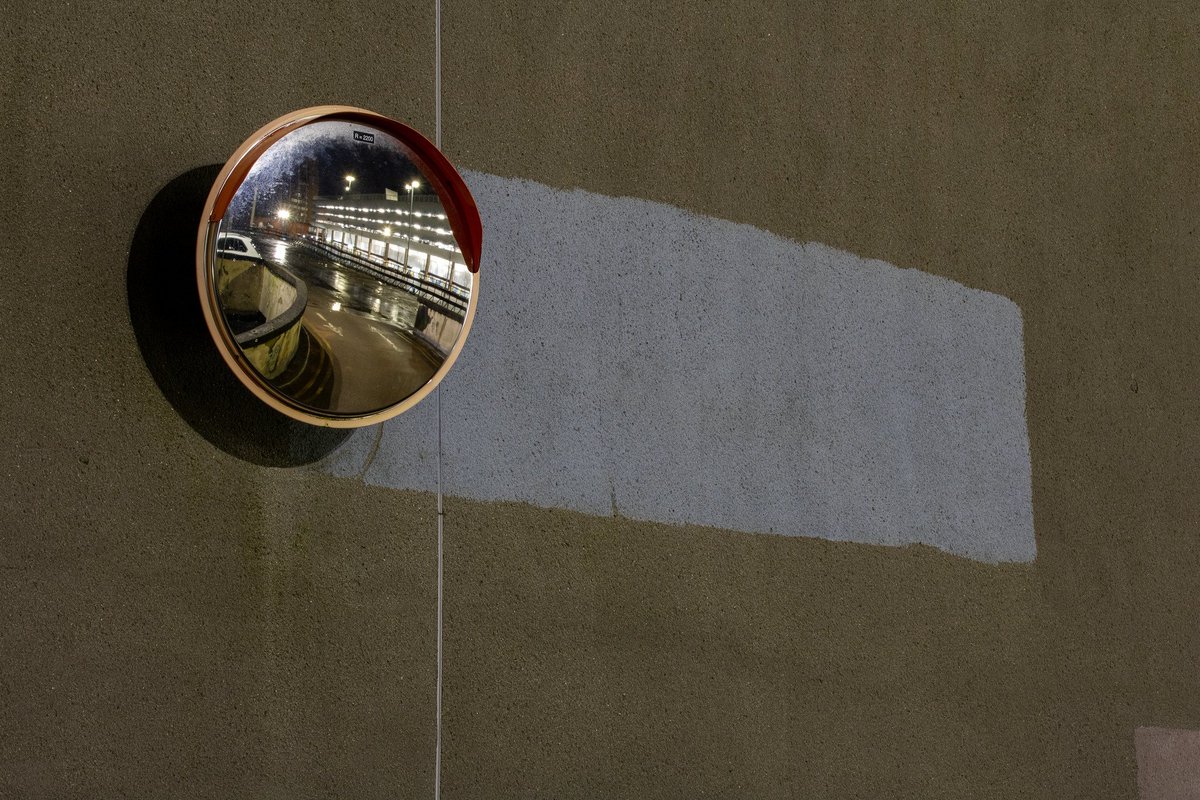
x=338, y=264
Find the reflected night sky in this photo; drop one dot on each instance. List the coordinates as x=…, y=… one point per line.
x=314, y=161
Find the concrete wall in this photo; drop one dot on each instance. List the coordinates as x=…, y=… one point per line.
x=198, y=599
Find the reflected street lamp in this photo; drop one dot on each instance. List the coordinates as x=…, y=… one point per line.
x=349, y=181
x=283, y=215
x=410, y=187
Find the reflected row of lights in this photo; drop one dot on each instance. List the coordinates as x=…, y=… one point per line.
x=384, y=210
x=386, y=232
x=413, y=225
x=417, y=239
x=452, y=268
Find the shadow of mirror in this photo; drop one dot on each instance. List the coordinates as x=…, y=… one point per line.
x=171, y=332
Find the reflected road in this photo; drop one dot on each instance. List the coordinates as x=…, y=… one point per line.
x=363, y=325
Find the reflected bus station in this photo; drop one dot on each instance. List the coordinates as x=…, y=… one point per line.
x=337, y=272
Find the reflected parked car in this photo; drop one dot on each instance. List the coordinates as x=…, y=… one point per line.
x=237, y=245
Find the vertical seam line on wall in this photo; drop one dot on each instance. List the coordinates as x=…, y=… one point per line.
x=437, y=141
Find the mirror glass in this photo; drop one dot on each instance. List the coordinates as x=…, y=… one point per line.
x=336, y=273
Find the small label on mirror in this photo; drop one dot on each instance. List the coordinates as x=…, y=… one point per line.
x=362, y=136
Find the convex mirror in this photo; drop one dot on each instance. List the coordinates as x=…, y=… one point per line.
x=338, y=262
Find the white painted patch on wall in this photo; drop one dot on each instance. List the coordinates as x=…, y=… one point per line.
x=1168, y=763
x=635, y=358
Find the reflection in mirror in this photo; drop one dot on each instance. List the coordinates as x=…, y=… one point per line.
x=336, y=272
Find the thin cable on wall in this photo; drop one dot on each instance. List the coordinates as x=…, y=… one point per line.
x=441, y=515
x=437, y=74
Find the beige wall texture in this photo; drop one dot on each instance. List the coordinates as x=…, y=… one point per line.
x=189, y=608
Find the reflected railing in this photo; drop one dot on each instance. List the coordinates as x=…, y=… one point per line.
x=448, y=299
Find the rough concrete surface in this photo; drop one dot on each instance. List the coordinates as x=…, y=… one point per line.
x=635, y=359
x=179, y=618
